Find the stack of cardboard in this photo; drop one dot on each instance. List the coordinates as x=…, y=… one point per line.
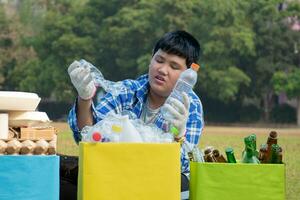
x=23, y=130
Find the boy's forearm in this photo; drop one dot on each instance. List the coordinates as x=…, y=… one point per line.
x=84, y=113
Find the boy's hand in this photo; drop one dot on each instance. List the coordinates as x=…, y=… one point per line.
x=180, y=113
x=82, y=80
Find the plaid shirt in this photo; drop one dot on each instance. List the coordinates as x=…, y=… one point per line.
x=132, y=98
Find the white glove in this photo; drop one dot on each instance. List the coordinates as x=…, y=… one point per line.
x=82, y=80
x=180, y=114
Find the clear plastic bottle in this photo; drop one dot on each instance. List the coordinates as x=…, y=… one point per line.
x=109, y=86
x=89, y=135
x=185, y=83
x=129, y=132
x=198, y=155
x=193, y=151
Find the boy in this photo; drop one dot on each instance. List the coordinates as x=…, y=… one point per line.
x=172, y=54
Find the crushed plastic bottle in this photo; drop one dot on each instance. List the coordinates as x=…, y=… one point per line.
x=129, y=132
x=109, y=86
x=185, y=83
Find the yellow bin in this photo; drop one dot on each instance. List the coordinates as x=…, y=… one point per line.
x=128, y=171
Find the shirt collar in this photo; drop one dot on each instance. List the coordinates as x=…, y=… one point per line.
x=143, y=90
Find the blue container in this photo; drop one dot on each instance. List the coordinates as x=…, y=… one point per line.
x=29, y=177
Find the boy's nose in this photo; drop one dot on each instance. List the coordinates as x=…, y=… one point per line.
x=163, y=70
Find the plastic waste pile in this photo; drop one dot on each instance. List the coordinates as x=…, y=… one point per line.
x=119, y=128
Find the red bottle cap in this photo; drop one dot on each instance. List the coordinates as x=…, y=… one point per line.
x=96, y=136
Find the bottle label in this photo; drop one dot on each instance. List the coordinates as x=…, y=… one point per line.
x=180, y=87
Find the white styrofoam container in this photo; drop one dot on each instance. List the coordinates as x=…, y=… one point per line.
x=18, y=101
x=28, y=118
x=3, y=126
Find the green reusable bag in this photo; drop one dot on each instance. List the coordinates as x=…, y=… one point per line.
x=229, y=181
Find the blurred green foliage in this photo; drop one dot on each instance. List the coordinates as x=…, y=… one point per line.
x=243, y=44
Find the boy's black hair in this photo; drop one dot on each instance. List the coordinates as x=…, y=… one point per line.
x=179, y=43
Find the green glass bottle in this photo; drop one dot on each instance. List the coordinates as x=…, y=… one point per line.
x=230, y=155
x=253, y=139
x=249, y=154
x=280, y=155
x=276, y=154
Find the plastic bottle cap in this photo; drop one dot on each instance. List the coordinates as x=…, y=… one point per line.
x=273, y=134
x=195, y=66
x=174, y=131
x=116, y=128
x=229, y=150
x=96, y=136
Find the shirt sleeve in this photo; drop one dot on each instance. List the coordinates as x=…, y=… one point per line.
x=108, y=103
x=72, y=120
x=195, y=123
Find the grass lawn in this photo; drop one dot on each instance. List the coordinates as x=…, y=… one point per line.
x=222, y=137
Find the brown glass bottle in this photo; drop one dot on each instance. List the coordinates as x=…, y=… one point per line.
x=209, y=156
x=263, y=153
x=219, y=157
x=272, y=139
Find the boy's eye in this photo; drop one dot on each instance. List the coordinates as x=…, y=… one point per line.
x=175, y=66
x=159, y=60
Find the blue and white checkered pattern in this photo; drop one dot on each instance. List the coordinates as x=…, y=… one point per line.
x=131, y=98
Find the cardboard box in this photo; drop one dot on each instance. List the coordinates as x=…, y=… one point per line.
x=36, y=133
x=118, y=171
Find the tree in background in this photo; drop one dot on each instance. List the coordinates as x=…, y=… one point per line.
x=272, y=46
x=287, y=78
x=22, y=22
x=6, y=43
x=243, y=44
x=290, y=84
x=226, y=35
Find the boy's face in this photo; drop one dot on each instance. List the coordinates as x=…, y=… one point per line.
x=164, y=70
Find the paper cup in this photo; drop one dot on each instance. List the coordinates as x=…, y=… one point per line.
x=3, y=126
